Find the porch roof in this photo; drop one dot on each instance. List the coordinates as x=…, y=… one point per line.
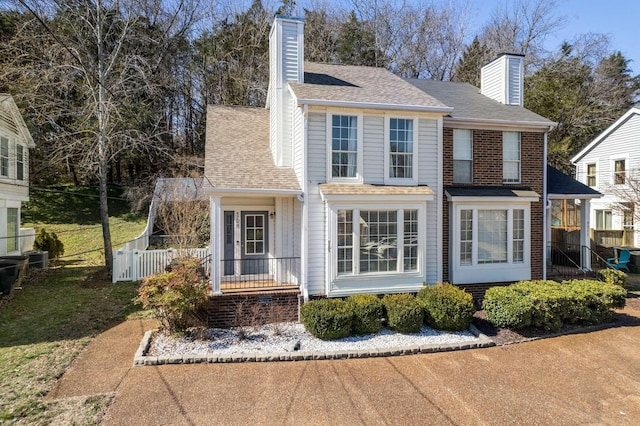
x=237, y=152
x=341, y=190
x=560, y=186
x=491, y=191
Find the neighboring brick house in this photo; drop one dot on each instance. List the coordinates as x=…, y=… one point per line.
x=353, y=180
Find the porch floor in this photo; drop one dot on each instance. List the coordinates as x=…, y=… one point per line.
x=236, y=287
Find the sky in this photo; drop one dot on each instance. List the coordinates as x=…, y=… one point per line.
x=619, y=19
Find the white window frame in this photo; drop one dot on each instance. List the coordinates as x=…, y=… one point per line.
x=518, y=161
x=468, y=136
x=399, y=207
x=358, y=178
x=413, y=180
x=587, y=175
x=613, y=169
x=476, y=272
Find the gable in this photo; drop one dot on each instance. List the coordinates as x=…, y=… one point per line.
x=11, y=119
x=616, y=137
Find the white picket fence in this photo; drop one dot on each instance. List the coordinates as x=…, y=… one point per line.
x=133, y=265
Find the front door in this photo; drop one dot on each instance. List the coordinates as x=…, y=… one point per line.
x=254, y=244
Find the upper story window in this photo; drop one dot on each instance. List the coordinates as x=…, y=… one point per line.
x=19, y=162
x=462, y=156
x=401, y=148
x=619, y=167
x=591, y=174
x=4, y=156
x=511, y=157
x=344, y=146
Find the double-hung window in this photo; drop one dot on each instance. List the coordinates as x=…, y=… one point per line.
x=604, y=220
x=511, y=157
x=19, y=162
x=344, y=146
x=373, y=241
x=4, y=156
x=401, y=149
x=591, y=174
x=619, y=167
x=462, y=156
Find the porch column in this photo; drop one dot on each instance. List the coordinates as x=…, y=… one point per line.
x=585, y=239
x=215, y=243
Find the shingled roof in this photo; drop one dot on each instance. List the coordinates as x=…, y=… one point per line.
x=560, y=185
x=469, y=104
x=237, y=153
x=360, y=86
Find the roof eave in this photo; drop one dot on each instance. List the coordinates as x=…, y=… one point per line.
x=255, y=191
x=373, y=105
x=543, y=125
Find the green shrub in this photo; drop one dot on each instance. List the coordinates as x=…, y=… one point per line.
x=447, y=307
x=327, y=319
x=49, y=242
x=612, y=276
x=550, y=305
x=367, y=313
x=404, y=312
x=506, y=307
x=176, y=298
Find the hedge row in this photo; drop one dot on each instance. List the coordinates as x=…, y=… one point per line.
x=551, y=305
x=443, y=307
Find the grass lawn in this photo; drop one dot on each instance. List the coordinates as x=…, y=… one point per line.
x=45, y=325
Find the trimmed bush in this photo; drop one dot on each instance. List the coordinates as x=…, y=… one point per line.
x=176, y=298
x=327, y=319
x=367, y=312
x=404, y=312
x=49, y=242
x=550, y=305
x=447, y=307
x=506, y=308
x=612, y=276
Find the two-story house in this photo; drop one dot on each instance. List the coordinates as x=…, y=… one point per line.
x=354, y=180
x=610, y=164
x=15, y=141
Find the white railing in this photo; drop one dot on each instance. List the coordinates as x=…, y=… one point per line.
x=133, y=265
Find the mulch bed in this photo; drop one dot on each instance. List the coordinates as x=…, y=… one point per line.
x=504, y=336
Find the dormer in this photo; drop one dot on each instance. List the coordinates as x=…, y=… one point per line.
x=503, y=79
x=286, y=59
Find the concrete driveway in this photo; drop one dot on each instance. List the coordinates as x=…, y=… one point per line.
x=576, y=379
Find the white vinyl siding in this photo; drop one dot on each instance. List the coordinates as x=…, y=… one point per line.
x=430, y=174
x=373, y=149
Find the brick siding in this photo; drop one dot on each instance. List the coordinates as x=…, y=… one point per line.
x=231, y=310
x=487, y=171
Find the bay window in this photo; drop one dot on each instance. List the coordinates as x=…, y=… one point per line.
x=371, y=241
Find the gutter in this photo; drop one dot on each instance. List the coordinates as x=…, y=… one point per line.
x=373, y=105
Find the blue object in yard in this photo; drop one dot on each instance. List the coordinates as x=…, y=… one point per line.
x=621, y=261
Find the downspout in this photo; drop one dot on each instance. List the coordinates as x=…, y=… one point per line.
x=439, y=204
x=305, y=210
x=546, y=206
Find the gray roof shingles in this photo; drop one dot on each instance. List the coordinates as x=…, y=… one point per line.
x=559, y=183
x=237, y=153
x=468, y=103
x=359, y=84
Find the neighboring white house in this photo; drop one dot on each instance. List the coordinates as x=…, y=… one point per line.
x=15, y=141
x=611, y=165
x=354, y=180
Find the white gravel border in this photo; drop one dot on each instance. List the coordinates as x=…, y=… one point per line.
x=291, y=342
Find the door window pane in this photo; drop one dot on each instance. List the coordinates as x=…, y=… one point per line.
x=254, y=234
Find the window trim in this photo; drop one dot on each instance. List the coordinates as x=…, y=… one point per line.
x=594, y=176
x=475, y=272
x=358, y=178
x=519, y=161
x=453, y=154
x=6, y=158
x=413, y=180
x=614, y=174
x=356, y=207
